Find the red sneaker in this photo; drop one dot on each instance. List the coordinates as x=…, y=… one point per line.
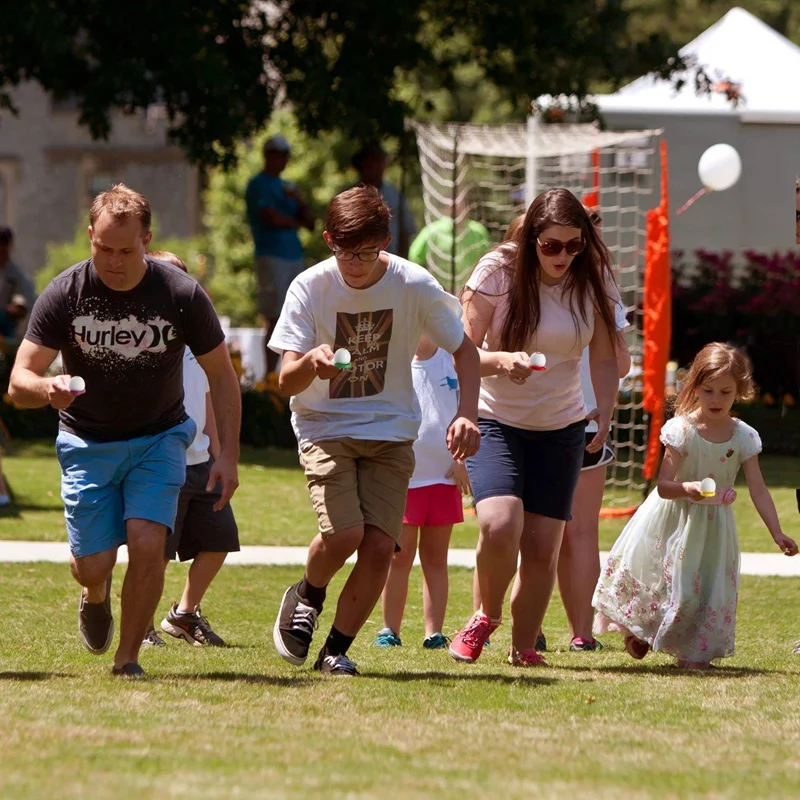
x=468, y=643
x=525, y=658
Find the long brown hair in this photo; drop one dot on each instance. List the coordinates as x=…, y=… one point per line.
x=513, y=229
x=714, y=361
x=586, y=280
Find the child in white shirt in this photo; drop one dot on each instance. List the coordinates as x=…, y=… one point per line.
x=433, y=503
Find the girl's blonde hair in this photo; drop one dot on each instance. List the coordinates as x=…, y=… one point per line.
x=169, y=258
x=714, y=361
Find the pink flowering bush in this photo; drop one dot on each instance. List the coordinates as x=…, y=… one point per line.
x=752, y=301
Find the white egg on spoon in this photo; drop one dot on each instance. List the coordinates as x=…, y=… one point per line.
x=538, y=362
x=77, y=385
x=342, y=359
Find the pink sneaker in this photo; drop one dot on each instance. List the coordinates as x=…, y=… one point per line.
x=468, y=643
x=525, y=658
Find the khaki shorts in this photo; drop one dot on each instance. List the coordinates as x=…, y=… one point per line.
x=355, y=482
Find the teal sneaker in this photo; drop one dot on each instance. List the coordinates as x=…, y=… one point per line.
x=578, y=645
x=386, y=638
x=436, y=641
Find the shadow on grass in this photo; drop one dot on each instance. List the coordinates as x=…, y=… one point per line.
x=15, y=509
x=236, y=677
x=451, y=678
x=672, y=671
x=33, y=676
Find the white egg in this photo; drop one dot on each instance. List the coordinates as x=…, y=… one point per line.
x=341, y=356
x=708, y=487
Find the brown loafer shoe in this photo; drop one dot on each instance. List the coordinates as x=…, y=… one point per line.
x=95, y=622
x=129, y=670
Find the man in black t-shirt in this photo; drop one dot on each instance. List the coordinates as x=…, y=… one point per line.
x=121, y=322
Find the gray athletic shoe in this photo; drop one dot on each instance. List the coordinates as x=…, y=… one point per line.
x=152, y=639
x=193, y=627
x=339, y=666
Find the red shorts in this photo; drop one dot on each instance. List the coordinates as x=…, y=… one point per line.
x=435, y=505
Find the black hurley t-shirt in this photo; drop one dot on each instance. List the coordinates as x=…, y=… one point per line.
x=127, y=346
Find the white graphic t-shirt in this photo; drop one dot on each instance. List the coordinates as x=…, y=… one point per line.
x=127, y=346
x=380, y=327
x=195, y=389
x=436, y=387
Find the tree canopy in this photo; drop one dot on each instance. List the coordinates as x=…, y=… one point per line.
x=220, y=66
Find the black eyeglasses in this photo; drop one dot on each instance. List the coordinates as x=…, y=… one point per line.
x=361, y=255
x=553, y=247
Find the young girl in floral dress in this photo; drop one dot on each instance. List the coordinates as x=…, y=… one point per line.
x=671, y=581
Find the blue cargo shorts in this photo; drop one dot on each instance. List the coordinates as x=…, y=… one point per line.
x=104, y=484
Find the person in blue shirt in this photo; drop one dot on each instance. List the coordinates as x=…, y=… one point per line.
x=370, y=164
x=276, y=211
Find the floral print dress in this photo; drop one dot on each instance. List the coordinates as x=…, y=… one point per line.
x=672, y=577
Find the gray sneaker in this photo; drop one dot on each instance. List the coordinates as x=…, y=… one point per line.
x=95, y=622
x=340, y=666
x=152, y=639
x=193, y=627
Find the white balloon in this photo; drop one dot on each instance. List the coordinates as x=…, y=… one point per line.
x=719, y=167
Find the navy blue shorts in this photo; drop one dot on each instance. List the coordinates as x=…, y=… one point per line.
x=539, y=467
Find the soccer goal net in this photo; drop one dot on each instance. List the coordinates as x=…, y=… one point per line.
x=477, y=179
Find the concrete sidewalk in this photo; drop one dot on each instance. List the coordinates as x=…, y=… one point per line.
x=775, y=564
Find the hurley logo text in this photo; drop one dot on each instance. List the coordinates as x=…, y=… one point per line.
x=127, y=337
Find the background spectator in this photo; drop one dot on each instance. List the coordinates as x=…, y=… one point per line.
x=276, y=211
x=370, y=164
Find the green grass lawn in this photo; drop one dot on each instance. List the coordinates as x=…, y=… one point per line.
x=272, y=505
x=240, y=722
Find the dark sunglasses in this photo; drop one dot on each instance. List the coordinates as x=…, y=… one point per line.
x=553, y=247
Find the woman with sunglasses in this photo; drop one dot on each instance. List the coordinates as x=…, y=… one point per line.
x=547, y=290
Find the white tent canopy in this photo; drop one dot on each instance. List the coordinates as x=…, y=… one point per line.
x=740, y=48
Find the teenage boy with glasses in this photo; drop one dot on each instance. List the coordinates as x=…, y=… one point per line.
x=356, y=426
